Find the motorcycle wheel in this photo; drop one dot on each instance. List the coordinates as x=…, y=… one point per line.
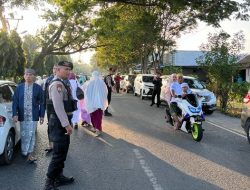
x=197, y=132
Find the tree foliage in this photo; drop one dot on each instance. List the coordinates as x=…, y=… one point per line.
x=221, y=54
x=135, y=30
x=12, y=58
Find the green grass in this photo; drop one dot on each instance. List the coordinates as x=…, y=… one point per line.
x=233, y=109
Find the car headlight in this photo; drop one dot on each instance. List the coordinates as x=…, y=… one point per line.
x=212, y=95
x=194, y=110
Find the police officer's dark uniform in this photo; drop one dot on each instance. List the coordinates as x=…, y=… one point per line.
x=110, y=83
x=157, y=81
x=60, y=105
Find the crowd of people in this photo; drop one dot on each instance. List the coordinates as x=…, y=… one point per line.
x=175, y=88
x=58, y=96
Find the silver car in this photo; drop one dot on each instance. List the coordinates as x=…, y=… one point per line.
x=9, y=131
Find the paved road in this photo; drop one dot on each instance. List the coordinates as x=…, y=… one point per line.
x=138, y=150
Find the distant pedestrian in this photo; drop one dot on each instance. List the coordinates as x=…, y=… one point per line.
x=28, y=108
x=96, y=100
x=157, y=81
x=85, y=116
x=76, y=114
x=117, y=79
x=109, y=83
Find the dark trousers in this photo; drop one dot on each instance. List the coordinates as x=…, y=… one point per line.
x=48, y=116
x=109, y=96
x=117, y=85
x=168, y=115
x=157, y=93
x=60, y=151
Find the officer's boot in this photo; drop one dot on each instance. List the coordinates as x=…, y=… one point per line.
x=50, y=184
x=63, y=180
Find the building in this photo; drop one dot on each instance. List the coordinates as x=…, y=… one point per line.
x=187, y=61
x=244, y=74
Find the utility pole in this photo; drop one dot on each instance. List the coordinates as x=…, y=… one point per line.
x=18, y=19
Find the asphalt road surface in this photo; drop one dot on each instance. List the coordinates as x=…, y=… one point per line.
x=139, y=151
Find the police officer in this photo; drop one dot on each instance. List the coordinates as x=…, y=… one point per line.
x=60, y=106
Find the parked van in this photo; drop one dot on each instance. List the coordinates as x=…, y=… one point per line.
x=143, y=85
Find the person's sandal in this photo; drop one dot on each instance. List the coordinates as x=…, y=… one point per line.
x=31, y=160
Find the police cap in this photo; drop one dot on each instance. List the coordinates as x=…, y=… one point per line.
x=65, y=64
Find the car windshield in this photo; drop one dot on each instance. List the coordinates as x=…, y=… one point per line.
x=194, y=83
x=147, y=78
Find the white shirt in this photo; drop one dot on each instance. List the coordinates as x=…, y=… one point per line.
x=176, y=87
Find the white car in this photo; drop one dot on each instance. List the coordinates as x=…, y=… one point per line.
x=9, y=131
x=208, y=97
x=143, y=85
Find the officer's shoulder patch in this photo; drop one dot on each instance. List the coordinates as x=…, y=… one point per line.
x=59, y=87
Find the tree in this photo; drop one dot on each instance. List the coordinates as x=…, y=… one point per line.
x=31, y=48
x=12, y=59
x=168, y=20
x=128, y=34
x=221, y=54
x=67, y=33
x=70, y=28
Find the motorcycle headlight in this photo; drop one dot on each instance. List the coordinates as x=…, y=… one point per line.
x=194, y=110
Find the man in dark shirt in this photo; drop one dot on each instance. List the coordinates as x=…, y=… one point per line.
x=110, y=83
x=157, y=81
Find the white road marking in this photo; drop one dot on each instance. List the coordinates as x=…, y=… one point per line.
x=231, y=131
x=147, y=170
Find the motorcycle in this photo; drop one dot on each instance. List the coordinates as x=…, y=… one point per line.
x=190, y=115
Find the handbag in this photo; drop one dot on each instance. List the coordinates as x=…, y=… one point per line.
x=79, y=93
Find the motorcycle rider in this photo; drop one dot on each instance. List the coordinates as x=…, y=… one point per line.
x=185, y=89
x=176, y=91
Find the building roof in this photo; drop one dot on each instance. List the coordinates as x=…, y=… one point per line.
x=245, y=60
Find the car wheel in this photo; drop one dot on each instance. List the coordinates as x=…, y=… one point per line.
x=209, y=112
x=7, y=156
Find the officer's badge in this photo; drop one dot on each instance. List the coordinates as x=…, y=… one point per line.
x=59, y=87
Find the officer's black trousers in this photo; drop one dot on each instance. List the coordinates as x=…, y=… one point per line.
x=157, y=93
x=60, y=151
x=109, y=94
x=109, y=97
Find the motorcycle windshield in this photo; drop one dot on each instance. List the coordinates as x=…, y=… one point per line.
x=192, y=99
